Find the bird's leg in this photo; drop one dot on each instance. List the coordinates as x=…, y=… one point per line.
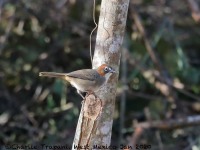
x=79, y=92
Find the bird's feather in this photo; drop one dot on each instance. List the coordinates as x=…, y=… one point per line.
x=85, y=74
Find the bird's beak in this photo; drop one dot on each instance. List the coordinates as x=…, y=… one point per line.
x=112, y=71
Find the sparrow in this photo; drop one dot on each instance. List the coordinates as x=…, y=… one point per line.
x=85, y=80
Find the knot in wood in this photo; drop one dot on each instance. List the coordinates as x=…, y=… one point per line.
x=92, y=106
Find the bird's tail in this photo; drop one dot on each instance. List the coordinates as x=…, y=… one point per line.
x=53, y=74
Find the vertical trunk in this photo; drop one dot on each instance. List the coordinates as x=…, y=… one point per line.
x=94, y=129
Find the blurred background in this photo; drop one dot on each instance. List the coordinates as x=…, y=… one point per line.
x=158, y=94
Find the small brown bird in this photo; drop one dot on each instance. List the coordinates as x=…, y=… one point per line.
x=85, y=80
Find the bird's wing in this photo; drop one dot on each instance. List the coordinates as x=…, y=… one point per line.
x=85, y=74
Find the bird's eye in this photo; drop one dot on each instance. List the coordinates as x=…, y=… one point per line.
x=106, y=69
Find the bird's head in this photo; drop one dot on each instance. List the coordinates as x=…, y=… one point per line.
x=105, y=70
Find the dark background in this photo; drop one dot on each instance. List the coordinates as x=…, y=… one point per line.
x=48, y=35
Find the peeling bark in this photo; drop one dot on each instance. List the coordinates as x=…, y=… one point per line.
x=97, y=132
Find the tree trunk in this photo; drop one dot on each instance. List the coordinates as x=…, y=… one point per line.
x=96, y=117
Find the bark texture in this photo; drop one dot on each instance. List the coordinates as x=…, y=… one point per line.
x=96, y=119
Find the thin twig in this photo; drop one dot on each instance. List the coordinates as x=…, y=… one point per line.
x=136, y=135
x=7, y=32
x=1, y=5
x=159, y=140
x=94, y=4
x=171, y=123
x=123, y=96
x=146, y=41
x=194, y=10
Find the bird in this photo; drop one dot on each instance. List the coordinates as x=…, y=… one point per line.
x=85, y=80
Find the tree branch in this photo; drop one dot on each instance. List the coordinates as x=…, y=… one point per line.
x=171, y=123
x=109, y=39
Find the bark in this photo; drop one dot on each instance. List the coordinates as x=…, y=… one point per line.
x=96, y=117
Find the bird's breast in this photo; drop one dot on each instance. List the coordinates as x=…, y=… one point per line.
x=87, y=85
